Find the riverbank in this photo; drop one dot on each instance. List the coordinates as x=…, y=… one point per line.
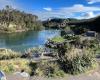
x=16, y=31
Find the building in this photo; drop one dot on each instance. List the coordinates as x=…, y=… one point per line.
x=90, y=34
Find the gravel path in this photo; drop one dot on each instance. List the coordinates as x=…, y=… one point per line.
x=89, y=76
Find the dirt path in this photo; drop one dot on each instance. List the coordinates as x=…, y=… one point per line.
x=89, y=76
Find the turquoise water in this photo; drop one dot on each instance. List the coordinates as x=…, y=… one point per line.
x=24, y=40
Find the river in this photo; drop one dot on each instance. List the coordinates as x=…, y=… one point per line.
x=24, y=40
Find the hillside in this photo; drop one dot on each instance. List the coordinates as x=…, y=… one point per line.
x=93, y=23
x=12, y=20
x=58, y=22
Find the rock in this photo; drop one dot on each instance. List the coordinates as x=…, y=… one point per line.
x=25, y=74
x=2, y=76
x=22, y=75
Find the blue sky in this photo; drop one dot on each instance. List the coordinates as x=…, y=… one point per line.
x=45, y=9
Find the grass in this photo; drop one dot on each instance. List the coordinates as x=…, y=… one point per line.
x=49, y=69
x=98, y=51
x=76, y=61
x=13, y=65
x=58, y=39
x=8, y=54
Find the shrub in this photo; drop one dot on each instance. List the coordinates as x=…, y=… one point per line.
x=49, y=69
x=94, y=44
x=35, y=49
x=77, y=61
x=29, y=53
x=13, y=65
x=8, y=54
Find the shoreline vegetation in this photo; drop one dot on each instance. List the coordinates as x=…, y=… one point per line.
x=12, y=20
x=16, y=31
x=1, y=31
x=74, y=57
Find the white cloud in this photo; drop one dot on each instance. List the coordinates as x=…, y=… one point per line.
x=88, y=15
x=93, y=1
x=66, y=12
x=48, y=9
x=80, y=8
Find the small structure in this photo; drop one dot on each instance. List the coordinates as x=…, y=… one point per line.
x=91, y=34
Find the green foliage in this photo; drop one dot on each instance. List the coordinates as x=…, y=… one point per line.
x=77, y=61
x=79, y=29
x=67, y=28
x=29, y=53
x=67, y=37
x=20, y=20
x=58, y=22
x=13, y=65
x=50, y=69
x=35, y=49
x=94, y=44
x=58, y=39
x=8, y=54
x=8, y=29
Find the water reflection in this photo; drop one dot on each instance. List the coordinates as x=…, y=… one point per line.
x=24, y=40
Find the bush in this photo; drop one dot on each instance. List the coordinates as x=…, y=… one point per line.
x=8, y=54
x=49, y=69
x=13, y=65
x=58, y=39
x=11, y=29
x=77, y=61
x=29, y=53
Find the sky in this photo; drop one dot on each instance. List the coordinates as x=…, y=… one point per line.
x=45, y=9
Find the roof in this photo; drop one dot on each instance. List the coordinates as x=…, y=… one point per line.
x=91, y=32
